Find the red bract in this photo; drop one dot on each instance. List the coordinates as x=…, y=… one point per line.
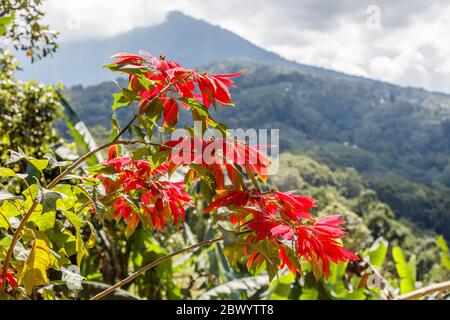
x=215, y=88
x=143, y=192
x=318, y=243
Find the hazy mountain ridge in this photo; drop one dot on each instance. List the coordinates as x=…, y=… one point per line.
x=182, y=38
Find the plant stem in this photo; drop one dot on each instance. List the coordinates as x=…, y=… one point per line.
x=151, y=265
x=437, y=287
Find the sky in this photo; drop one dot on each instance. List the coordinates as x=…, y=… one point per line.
x=405, y=42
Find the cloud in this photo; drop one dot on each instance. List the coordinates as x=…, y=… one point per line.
x=410, y=48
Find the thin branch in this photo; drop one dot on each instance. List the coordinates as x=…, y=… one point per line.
x=437, y=287
x=157, y=262
x=152, y=265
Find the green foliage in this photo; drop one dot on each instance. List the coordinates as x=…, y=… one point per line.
x=82, y=137
x=29, y=111
x=346, y=192
x=406, y=270
x=445, y=255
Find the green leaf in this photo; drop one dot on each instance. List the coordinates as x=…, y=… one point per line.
x=54, y=163
x=75, y=220
x=445, y=257
x=7, y=211
x=248, y=284
x=4, y=21
x=16, y=156
x=120, y=100
x=91, y=241
x=378, y=251
x=230, y=237
x=6, y=172
x=38, y=164
x=281, y=288
x=44, y=221
x=146, y=82
x=200, y=113
x=20, y=155
x=406, y=271
x=6, y=196
x=80, y=248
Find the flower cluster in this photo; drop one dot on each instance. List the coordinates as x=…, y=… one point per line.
x=217, y=154
x=285, y=219
x=159, y=200
x=170, y=81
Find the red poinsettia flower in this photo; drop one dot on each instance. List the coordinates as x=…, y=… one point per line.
x=171, y=82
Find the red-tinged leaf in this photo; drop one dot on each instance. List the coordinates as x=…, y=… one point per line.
x=235, y=176
x=9, y=277
x=283, y=231
x=132, y=224
x=176, y=213
x=251, y=259
x=170, y=113
x=125, y=57
x=218, y=176
x=227, y=198
x=225, y=78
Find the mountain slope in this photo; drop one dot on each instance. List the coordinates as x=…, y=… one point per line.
x=184, y=39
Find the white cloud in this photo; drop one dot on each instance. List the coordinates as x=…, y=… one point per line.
x=411, y=48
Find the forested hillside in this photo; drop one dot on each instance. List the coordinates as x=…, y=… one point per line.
x=346, y=192
x=396, y=136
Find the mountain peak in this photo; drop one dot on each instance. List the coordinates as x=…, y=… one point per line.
x=187, y=40
x=178, y=15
